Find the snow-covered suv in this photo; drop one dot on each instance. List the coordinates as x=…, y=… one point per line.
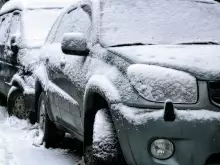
x=138, y=80
x=24, y=25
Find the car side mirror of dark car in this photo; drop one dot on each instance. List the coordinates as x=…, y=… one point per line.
x=15, y=43
x=74, y=44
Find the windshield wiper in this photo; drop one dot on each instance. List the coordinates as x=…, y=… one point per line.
x=131, y=44
x=200, y=43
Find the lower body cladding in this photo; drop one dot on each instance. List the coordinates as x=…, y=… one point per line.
x=193, y=138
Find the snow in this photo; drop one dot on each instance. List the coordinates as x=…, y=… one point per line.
x=100, y=82
x=34, y=4
x=36, y=29
x=103, y=136
x=159, y=22
x=17, y=147
x=3, y=29
x=201, y=61
x=142, y=116
x=159, y=84
x=27, y=83
x=74, y=41
x=55, y=89
x=48, y=85
x=12, y=89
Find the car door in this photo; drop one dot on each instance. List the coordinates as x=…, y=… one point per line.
x=4, y=33
x=10, y=57
x=6, y=67
x=62, y=74
x=76, y=66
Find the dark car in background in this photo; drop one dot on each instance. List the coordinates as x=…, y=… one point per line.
x=22, y=33
x=2, y=2
x=132, y=80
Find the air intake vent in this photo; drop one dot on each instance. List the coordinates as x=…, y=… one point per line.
x=214, y=91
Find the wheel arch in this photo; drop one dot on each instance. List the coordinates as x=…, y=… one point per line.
x=17, y=84
x=38, y=91
x=97, y=96
x=94, y=102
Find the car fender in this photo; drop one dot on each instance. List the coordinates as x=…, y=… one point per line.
x=42, y=77
x=101, y=85
x=42, y=85
x=18, y=82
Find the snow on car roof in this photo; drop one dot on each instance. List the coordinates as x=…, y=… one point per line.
x=32, y=4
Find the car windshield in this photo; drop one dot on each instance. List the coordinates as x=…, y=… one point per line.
x=37, y=24
x=127, y=22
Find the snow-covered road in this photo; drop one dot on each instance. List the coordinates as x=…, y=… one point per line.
x=16, y=145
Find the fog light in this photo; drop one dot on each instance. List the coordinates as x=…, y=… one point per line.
x=162, y=149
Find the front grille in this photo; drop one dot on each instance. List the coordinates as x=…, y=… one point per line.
x=214, y=91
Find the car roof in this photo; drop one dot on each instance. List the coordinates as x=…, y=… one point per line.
x=33, y=4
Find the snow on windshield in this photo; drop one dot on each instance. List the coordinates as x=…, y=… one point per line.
x=159, y=22
x=37, y=24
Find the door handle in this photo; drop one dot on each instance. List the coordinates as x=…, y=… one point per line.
x=62, y=64
x=47, y=60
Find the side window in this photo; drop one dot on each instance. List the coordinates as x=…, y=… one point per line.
x=52, y=33
x=15, y=24
x=4, y=29
x=76, y=20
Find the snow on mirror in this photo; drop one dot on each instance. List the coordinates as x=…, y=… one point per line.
x=74, y=43
x=15, y=42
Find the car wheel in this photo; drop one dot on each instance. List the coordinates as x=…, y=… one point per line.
x=16, y=105
x=105, y=148
x=51, y=135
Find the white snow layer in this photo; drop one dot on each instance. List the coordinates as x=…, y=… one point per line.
x=142, y=116
x=200, y=61
x=27, y=83
x=159, y=84
x=34, y=4
x=36, y=29
x=77, y=44
x=103, y=136
x=159, y=22
x=17, y=138
x=41, y=74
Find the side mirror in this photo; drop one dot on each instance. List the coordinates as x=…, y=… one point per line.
x=15, y=43
x=74, y=44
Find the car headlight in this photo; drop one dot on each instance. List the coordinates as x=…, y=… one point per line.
x=159, y=84
x=162, y=149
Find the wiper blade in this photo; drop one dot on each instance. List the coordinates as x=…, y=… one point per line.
x=200, y=43
x=131, y=44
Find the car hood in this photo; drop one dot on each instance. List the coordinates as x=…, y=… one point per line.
x=201, y=61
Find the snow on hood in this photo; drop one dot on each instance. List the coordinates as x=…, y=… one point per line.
x=203, y=62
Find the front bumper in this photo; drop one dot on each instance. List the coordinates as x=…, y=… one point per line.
x=195, y=135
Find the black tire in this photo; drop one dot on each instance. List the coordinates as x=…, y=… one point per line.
x=104, y=150
x=52, y=136
x=17, y=109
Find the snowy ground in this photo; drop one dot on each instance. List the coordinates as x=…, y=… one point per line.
x=17, y=145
